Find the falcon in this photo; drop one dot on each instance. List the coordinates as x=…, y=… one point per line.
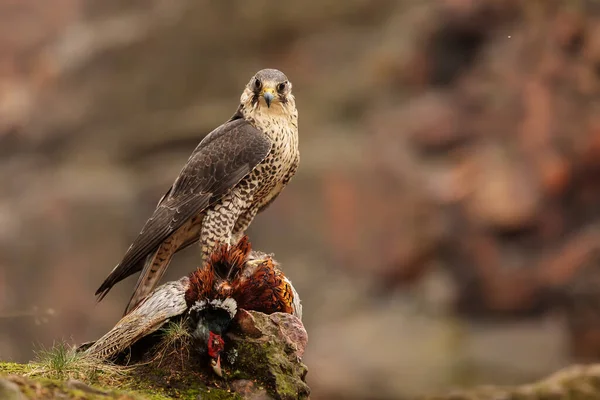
x=235, y=172
x=235, y=277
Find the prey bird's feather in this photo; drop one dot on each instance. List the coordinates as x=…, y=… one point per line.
x=153, y=312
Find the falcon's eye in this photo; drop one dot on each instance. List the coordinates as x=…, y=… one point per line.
x=257, y=83
x=281, y=87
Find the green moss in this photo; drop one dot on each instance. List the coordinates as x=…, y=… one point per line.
x=271, y=362
x=7, y=368
x=216, y=394
x=43, y=388
x=140, y=385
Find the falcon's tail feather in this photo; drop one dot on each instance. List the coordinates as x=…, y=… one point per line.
x=154, y=268
x=112, y=280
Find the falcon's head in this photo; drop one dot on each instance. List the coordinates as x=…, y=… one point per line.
x=268, y=89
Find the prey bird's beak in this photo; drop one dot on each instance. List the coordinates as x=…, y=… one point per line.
x=269, y=95
x=216, y=366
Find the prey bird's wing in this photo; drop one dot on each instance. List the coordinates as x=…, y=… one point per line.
x=167, y=301
x=221, y=160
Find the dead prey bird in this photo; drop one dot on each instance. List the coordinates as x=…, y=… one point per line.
x=233, y=278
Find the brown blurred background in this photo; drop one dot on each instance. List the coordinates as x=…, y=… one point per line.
x=443, y=228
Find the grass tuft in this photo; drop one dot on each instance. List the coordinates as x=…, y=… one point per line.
x=175, y=342
x=56, y=362
x=61, y=361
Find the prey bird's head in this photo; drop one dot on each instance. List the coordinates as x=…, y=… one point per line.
x=210, y=320
x=269, y=89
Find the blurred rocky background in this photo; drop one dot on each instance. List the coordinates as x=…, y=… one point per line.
x=443, y=229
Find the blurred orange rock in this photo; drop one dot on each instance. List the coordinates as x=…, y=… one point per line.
x=505, y=195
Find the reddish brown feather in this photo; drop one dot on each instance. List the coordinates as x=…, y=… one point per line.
x=201, y=285
x=228, y=261
x=263, y=288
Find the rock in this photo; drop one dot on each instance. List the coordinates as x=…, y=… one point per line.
x=247, y=324
x=293, y=331
x=78, y=385
x=273, y=357
x=10, y=390
x=575, y=382
x=249, y=390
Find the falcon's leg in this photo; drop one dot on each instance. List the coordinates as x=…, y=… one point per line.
x=218, y=223
x=242, y=223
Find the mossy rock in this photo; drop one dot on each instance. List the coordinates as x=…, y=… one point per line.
x=262, y=362
x=20, y=386
x=261, y=352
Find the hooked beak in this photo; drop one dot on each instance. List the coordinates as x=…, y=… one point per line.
x=269, y=95
x=216, y=366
